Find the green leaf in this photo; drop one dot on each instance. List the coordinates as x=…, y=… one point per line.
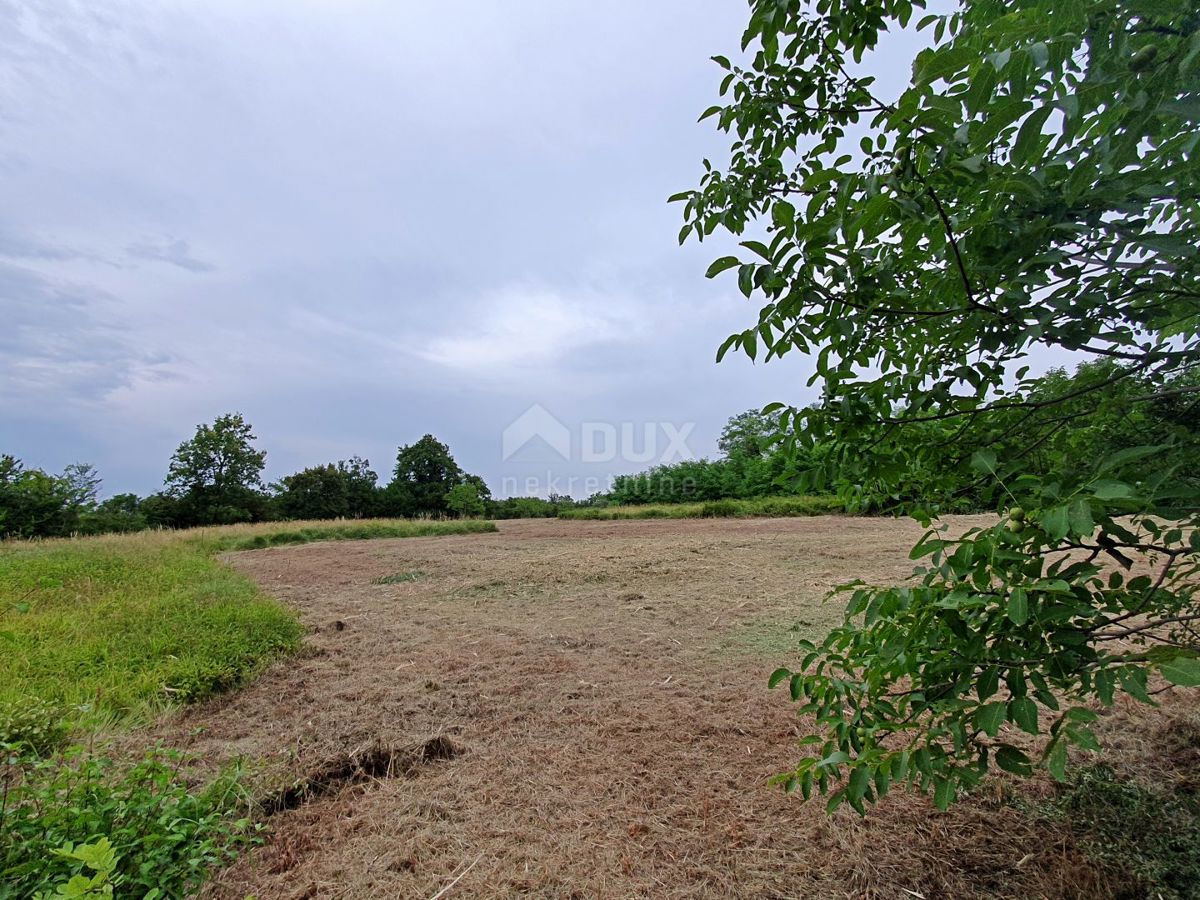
x=1040, y=54
x=777, y=676
x=746, y=280
x=1107, y=489
x=1056, y=761
x=835, y=800
x=990, y=717
x=1018, y=606
x=1010, y=759
x=943, y=793
x=1057, y=522
x=719, y=266
x=1030, y=134
x=983, y=461
x=1023, y=712
x=783, y=214
x=1183, y=671
x=860, y=780
x=1080, y=516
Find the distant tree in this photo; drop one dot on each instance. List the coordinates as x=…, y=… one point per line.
x=337, y=490
x=34, y=503
x=424, y=474
x=216, y=477
x=749, y=434
x=82, y=484
x=526, y=507
x=119, y=513
x=463, y=500
x=362, y=488
x=481, y=488
x=160, y=510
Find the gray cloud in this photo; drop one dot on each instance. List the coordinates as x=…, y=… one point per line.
x=59, y=348
x=399, y=231
x=175, y=252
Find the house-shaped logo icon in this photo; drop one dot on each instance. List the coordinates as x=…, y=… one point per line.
x=538, y=433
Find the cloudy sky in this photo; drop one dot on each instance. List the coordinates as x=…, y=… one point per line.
x=358, y=222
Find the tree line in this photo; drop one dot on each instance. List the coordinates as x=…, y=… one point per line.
x=215, y=478
x=1107, y=410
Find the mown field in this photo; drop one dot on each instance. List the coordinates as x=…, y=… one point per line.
x=547, y=707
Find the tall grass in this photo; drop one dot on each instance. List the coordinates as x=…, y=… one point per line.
x=104, y=627
x=757, y=506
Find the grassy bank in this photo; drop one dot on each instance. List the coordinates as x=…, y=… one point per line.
x=758, y=506
x=103, y=627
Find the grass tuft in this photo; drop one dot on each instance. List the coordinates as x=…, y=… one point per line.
x=399, y=578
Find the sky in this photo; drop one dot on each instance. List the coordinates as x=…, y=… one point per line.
x=360, y=222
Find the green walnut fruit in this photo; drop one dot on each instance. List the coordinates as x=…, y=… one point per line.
x=1143, y=58
x=1014, y=525
x=1017, y=514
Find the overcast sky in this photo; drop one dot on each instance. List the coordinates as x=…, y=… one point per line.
x=359, y=222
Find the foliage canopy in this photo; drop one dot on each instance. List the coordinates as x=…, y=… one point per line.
x=1033, y=185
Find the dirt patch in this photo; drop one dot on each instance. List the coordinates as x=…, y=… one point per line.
x=609, y=680
x=366, y=764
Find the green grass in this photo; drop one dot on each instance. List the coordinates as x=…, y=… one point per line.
x=399, y=578
x=349, y=531
x=755, y=507
x=779, y=637
x=110, y=627
x=1152, y=834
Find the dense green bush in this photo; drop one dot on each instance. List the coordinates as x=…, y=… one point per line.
x=163, y=838
x=527, y=507
x=342, y=490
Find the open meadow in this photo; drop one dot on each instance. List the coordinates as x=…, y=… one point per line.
x=568, y=708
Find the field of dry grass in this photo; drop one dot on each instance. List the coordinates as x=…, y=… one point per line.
x=579, y=709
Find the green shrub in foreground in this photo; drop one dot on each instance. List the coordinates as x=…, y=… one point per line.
x=163, y=838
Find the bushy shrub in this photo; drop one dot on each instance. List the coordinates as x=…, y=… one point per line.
x=163, y=838
x=718, y=509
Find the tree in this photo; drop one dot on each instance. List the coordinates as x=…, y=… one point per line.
x=463, y=500
x=216, y=477
x=424, y=474
x=119, y=513
x=1033, y=184
x=34, y=503
x=337, y=490
x=82, y=484
x=749, y=434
